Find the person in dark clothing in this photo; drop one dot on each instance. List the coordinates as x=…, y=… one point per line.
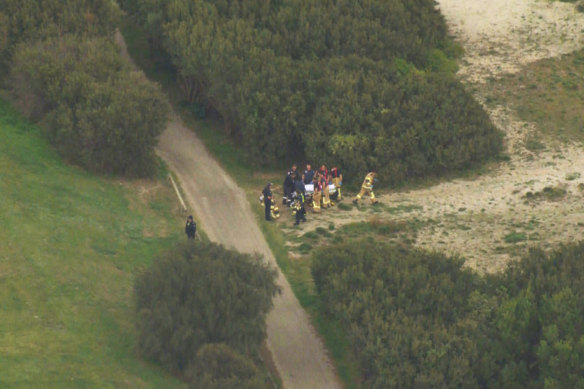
x=293, y=170
x=299, y=186
x=288, y=187
x=300, y=210
x=190, y=227
x=267, y=192
x=308, y=174
x=300, y=200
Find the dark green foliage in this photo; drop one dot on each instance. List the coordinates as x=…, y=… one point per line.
x=337, y=81
x=417, y=319
x=217, y=366
x=541, y=328
x=30, y=20
x=97, y=110
x=203, y=294
x=549, y=193
x=67, y=72
x=407, y=313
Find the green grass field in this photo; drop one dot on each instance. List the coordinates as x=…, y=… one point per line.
x=70, y=245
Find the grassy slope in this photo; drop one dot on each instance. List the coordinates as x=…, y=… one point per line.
x=252, y=181
x=70, y=243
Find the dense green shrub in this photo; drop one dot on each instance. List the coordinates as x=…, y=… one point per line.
x=407, y=313
x=217, y=366
x=345, y=82
x=30, y=20
x=540, y=329
x=418, y=319
x=97, y=110
x=202, y=294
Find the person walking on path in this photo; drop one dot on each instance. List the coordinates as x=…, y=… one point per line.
x=190, y=227
x=267, y=192
x=367, y=188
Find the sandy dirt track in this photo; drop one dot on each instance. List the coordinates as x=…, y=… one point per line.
x=223, y=211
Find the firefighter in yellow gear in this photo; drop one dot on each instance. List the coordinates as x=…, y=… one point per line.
x=337, y=177
x=316, y=196
x=367, y=188
x=267, y=200
x=299, y=210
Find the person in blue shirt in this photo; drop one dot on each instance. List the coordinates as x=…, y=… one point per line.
x=308, y=174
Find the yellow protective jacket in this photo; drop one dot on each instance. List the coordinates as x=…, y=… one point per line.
x=368, y=182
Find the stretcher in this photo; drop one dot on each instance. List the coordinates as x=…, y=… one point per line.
x=310, y=189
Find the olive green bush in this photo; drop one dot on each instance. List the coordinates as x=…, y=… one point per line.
x=406, y=312
x=97, y=110
x=362, y=84
x=539, y=329
x=31, y=20
x=218, y=366
x=197, y=295
x=62, y=65
x=418, y=319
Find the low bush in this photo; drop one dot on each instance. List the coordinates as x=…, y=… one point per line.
x=406, y=313
x=218, y=366
x=32, y=20
x=197, y=295
x=97, y=110
x=418, y=319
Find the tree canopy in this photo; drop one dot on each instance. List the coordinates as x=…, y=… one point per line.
x=204, y=294
x=96, y=109
x=418, y=319
x=67, y=72
x=363, y=83
x=30, y=20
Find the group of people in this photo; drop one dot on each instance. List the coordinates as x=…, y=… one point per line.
x=295, y=193
x=320, y=183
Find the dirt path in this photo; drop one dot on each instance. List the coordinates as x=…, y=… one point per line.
x=490, y=219
x=225, y=214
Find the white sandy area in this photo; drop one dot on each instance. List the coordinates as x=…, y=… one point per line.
x=500, y=36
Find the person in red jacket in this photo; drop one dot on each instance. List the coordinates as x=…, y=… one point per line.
x=324, y=182
x=337, y=178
